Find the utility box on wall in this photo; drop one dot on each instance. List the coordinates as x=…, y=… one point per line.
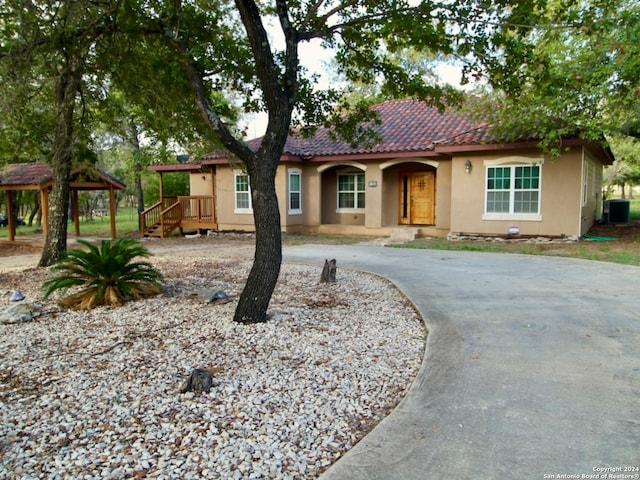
x=617, y=211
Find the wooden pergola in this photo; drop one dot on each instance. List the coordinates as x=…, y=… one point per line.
x=39, y=176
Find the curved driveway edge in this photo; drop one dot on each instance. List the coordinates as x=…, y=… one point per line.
x=532, y=367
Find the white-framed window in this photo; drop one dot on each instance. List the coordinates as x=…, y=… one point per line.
x=350, y=192
x=513, y=191
x=242, y=191
x=295, y=192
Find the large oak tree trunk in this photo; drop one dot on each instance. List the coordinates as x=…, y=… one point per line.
x=55, y=243
x=254, y=300
x=137, y=170
x=279, y=94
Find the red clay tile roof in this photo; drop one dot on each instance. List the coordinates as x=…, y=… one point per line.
x=28, y=174
x=25, y=174
x=406, y=126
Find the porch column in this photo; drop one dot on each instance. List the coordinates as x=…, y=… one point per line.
x=214, y=206
x=76, y=213
x=312, y=197
x=44, y=206
x=373, y=197
x=112, y=212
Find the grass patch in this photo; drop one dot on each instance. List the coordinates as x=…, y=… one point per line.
x=627, y=253
x=624, y=250
x=100, y=227
x=634, y=209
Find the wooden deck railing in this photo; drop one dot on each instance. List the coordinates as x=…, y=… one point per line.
x=170, y=219
x=150, y=217
x=182, y=211
x=197, y=209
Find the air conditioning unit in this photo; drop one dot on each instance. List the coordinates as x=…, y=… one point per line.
x=617, y=211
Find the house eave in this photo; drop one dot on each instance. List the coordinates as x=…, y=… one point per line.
x=603, y=153
x=175, y=167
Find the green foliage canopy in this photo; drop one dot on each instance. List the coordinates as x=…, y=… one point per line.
x=582, y=77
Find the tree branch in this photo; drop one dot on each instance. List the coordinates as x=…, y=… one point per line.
x=196, y=79
x=311, y=13
x=266, y=68
x=350, y=3
x=291, y=56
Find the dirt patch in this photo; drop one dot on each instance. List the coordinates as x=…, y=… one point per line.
x=15, y=250
x=625, y=234
x=184, y=245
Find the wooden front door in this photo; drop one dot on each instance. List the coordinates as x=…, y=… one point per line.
x=417, y=198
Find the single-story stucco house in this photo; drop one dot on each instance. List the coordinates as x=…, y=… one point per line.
x=432, y=174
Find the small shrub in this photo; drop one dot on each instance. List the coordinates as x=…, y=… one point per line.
x=105, y=275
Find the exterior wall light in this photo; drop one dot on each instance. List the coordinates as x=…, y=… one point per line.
x=467, y=166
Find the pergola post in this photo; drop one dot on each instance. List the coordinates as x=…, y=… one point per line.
x=44, y=206
x=76, y=212
x=11, y=221
x=112, y=211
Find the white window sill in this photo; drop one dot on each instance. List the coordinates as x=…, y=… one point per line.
x=350, y=210
x=243, y=211
x=295, y=212
x=520, y=217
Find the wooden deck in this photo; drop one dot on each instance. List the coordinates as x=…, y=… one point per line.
x=171, y=213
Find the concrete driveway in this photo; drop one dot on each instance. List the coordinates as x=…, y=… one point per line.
x=532, y=368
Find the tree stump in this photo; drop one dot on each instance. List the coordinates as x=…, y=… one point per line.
x=329, y=271
x=199, y=381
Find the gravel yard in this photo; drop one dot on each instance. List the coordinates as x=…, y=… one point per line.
x=97, y=394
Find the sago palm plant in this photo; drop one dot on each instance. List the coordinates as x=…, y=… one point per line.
x=105, y=275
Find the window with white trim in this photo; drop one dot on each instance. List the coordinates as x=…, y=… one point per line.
x=242, y=193
x=295, y=192
x=513, y=190
x=350, y=191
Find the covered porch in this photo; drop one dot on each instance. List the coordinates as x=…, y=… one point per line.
x=401, y=198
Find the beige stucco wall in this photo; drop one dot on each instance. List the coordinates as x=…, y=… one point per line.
x=201, y=183
x=443, y=195
x=460, y=196
x=228, y=219
x=319, y=196
x=375, y=196
x=592, y=196
x=311, y=195
x=560, y=195
x=225, y=202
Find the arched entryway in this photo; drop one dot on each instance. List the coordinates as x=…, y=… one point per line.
x=417, y=202
x=414, y=182
x=343, y=193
